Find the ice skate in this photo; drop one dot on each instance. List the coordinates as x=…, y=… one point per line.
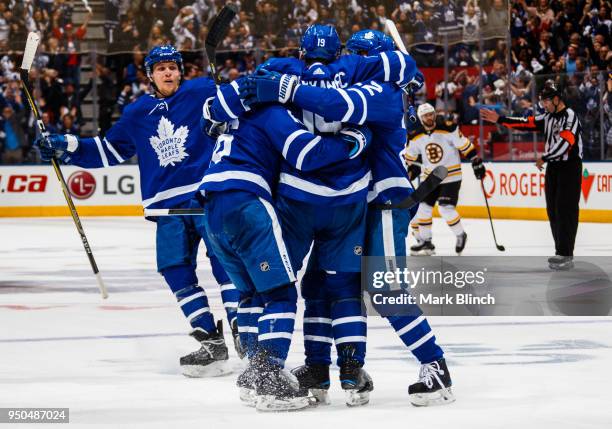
x=314, y=382
x=460, y=244
x=276, y=388
x=433, y=387
x=211, y=360
x=561, y=263
x=246, y=384
x=424, y=248
x=236, y=337
x=356, y=383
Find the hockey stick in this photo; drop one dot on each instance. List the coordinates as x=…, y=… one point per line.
x=173, y=212
x=217, y=32
x=392, y=30
x=484, y=194
x=427, y=187
x=26, y=64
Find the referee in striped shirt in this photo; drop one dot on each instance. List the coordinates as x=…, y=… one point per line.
x=563, y=156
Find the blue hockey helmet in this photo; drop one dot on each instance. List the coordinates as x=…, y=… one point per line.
x=321, y=42
x=370, y=41
x=160, y=54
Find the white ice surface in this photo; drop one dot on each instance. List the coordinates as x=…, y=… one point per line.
x=114, y=363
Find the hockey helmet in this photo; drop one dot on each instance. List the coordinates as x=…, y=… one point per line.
x=424, y=109
x=321, y=42
x=160, y=54
x=370, y=41
x=549, y=90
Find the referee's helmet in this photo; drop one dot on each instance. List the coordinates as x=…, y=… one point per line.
x=550, y=90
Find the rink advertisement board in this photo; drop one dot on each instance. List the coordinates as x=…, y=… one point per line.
x=35, y=191
x=514, y=190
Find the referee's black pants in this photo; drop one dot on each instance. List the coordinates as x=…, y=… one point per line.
x=563, y=179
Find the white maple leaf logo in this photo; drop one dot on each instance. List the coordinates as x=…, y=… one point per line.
x=169, y=145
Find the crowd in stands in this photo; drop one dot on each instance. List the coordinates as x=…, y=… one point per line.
x=548, y=37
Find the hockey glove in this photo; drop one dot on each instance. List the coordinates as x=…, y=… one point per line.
x=358, y=137
x=478, y=167
x=56, y=145
x=266, y=86
x=208, y=125
x=415, y=84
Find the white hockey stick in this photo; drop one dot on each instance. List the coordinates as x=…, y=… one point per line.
x=392, y=30
x=173, y=212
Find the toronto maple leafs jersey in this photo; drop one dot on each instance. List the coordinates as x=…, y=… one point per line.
x=341, y=183
x=249, y=156
x=444, y=145
x=165, y=134
x=380, y=106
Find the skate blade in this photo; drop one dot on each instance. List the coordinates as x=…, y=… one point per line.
x=354, y=398
x=215, y=369
x=561, y=267
x=422, y=253
x=319, y=397
x=270, y=403
x=248, y=397
x=440, y=397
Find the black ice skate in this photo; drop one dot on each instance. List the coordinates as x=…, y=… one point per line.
x=356, y=383
x=276, y=388
x=460, y=244
x=561, y=263
x=433, y=387
x=246, y=384
x=423, y=248
x=240, y=351
x=211, y=360
x=314, y=382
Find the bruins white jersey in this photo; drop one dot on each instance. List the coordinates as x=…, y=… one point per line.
x=444, y=145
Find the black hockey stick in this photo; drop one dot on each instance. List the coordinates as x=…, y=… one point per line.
x=26, y=64
x=425, y=188
x=499, y=246
x=217, y=32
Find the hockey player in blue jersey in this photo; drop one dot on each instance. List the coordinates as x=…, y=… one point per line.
x=338, y=230
x=245, y=232
x=164, y=131
x=379, y=105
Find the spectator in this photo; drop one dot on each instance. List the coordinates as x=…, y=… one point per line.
x=12, y=135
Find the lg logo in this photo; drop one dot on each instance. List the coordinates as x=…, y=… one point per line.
x=81, y=185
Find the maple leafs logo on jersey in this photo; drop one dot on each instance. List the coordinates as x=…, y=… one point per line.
x=169, y=145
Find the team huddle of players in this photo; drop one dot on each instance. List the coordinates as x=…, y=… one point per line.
x=301, y=157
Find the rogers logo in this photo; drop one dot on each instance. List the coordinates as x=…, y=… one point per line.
x=81, y=185
x=491, y=177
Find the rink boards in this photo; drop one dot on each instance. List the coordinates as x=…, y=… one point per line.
x=515, y=191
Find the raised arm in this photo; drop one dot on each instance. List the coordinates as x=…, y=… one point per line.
x=307, y=151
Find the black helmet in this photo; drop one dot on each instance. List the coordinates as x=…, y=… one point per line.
x=549, y=90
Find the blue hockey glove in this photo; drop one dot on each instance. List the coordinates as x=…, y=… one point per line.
x=415, y=84
x=209, y=126
x=358, y=137
x=266, y=86
x=56, y=145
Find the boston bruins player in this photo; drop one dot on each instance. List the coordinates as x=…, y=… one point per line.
x=440, y=143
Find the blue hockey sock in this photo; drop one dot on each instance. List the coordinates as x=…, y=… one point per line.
x=249, y=310
x=277, y=321
x=230, y=297
x=349, y=323
x=416, y=334
x=191, y=297
x=318, y=336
